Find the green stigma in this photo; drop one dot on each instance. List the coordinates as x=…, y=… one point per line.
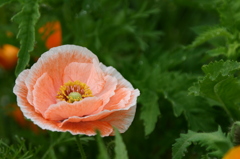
x=74, y=96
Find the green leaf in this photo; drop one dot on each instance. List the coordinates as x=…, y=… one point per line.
x=217, y=51
x=220, y=86
x=197, y=112
x=214, y=69
x=216, y=143
x=150, y=110
x=209, y=34
x=27, y=19
x=102, y=148
x=120, y=148
x=3, y=2
x=227, y=92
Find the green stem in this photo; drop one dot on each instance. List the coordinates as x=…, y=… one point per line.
x=80, y=147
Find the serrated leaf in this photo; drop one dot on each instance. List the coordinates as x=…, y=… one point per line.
x=227, y=92
x=221, y=67
x=150, y=110
x=206, y=87
x=220, y=86
x=209, y=34
x=197, y=112
x=218, y=51
x=120, y=148
x=216, y=143
x=102, y=148
x=27, y=19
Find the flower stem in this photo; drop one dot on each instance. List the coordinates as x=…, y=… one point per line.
x=80, y=147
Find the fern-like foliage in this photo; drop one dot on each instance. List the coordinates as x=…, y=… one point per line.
x=229, y=15
x=27, y=19
x=210, y=34
x=216, y=143
x=18, y=150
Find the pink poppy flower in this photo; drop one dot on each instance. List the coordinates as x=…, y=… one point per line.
x=68, y=89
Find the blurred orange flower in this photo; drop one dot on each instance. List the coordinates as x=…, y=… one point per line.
x=17, y=115
x=8, y=56
x=51, y=34
x=233, y=153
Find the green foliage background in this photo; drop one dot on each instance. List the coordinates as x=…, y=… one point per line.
x=182, y=55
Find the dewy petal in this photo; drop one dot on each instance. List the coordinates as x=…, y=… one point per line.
x=43, y=94
x=87, y=73
x=54, y=62
x=63, y=110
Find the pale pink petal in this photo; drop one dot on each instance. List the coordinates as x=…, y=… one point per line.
x=130, y=103
x=20, y=86
x=87, y=73
x=28, y=110
x=63, y=110
x=88, y=128
x=108, y=89
x=96, y=79
x=121, y=119
x=54, y=62
x=122, y=82
x=133, y=98
x=93, y=117
x=43, y=94
x=77, y=71
x=119, y=100
x=36, y=91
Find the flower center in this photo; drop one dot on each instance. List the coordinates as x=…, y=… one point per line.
x=74, y=91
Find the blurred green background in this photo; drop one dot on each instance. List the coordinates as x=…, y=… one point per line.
x=149, y=42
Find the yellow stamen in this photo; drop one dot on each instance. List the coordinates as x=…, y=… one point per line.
x=74, y=91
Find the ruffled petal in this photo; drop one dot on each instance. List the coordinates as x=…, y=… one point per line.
x=53, y=62
x=88, y=73
x=119, y=100
x=122, y=82
x=121, y=119
x=63, y=110
x=28, y=110
x=108, y=89
x=43, y=94
x=93, y=117
x=88, y=128
x=105, y=113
